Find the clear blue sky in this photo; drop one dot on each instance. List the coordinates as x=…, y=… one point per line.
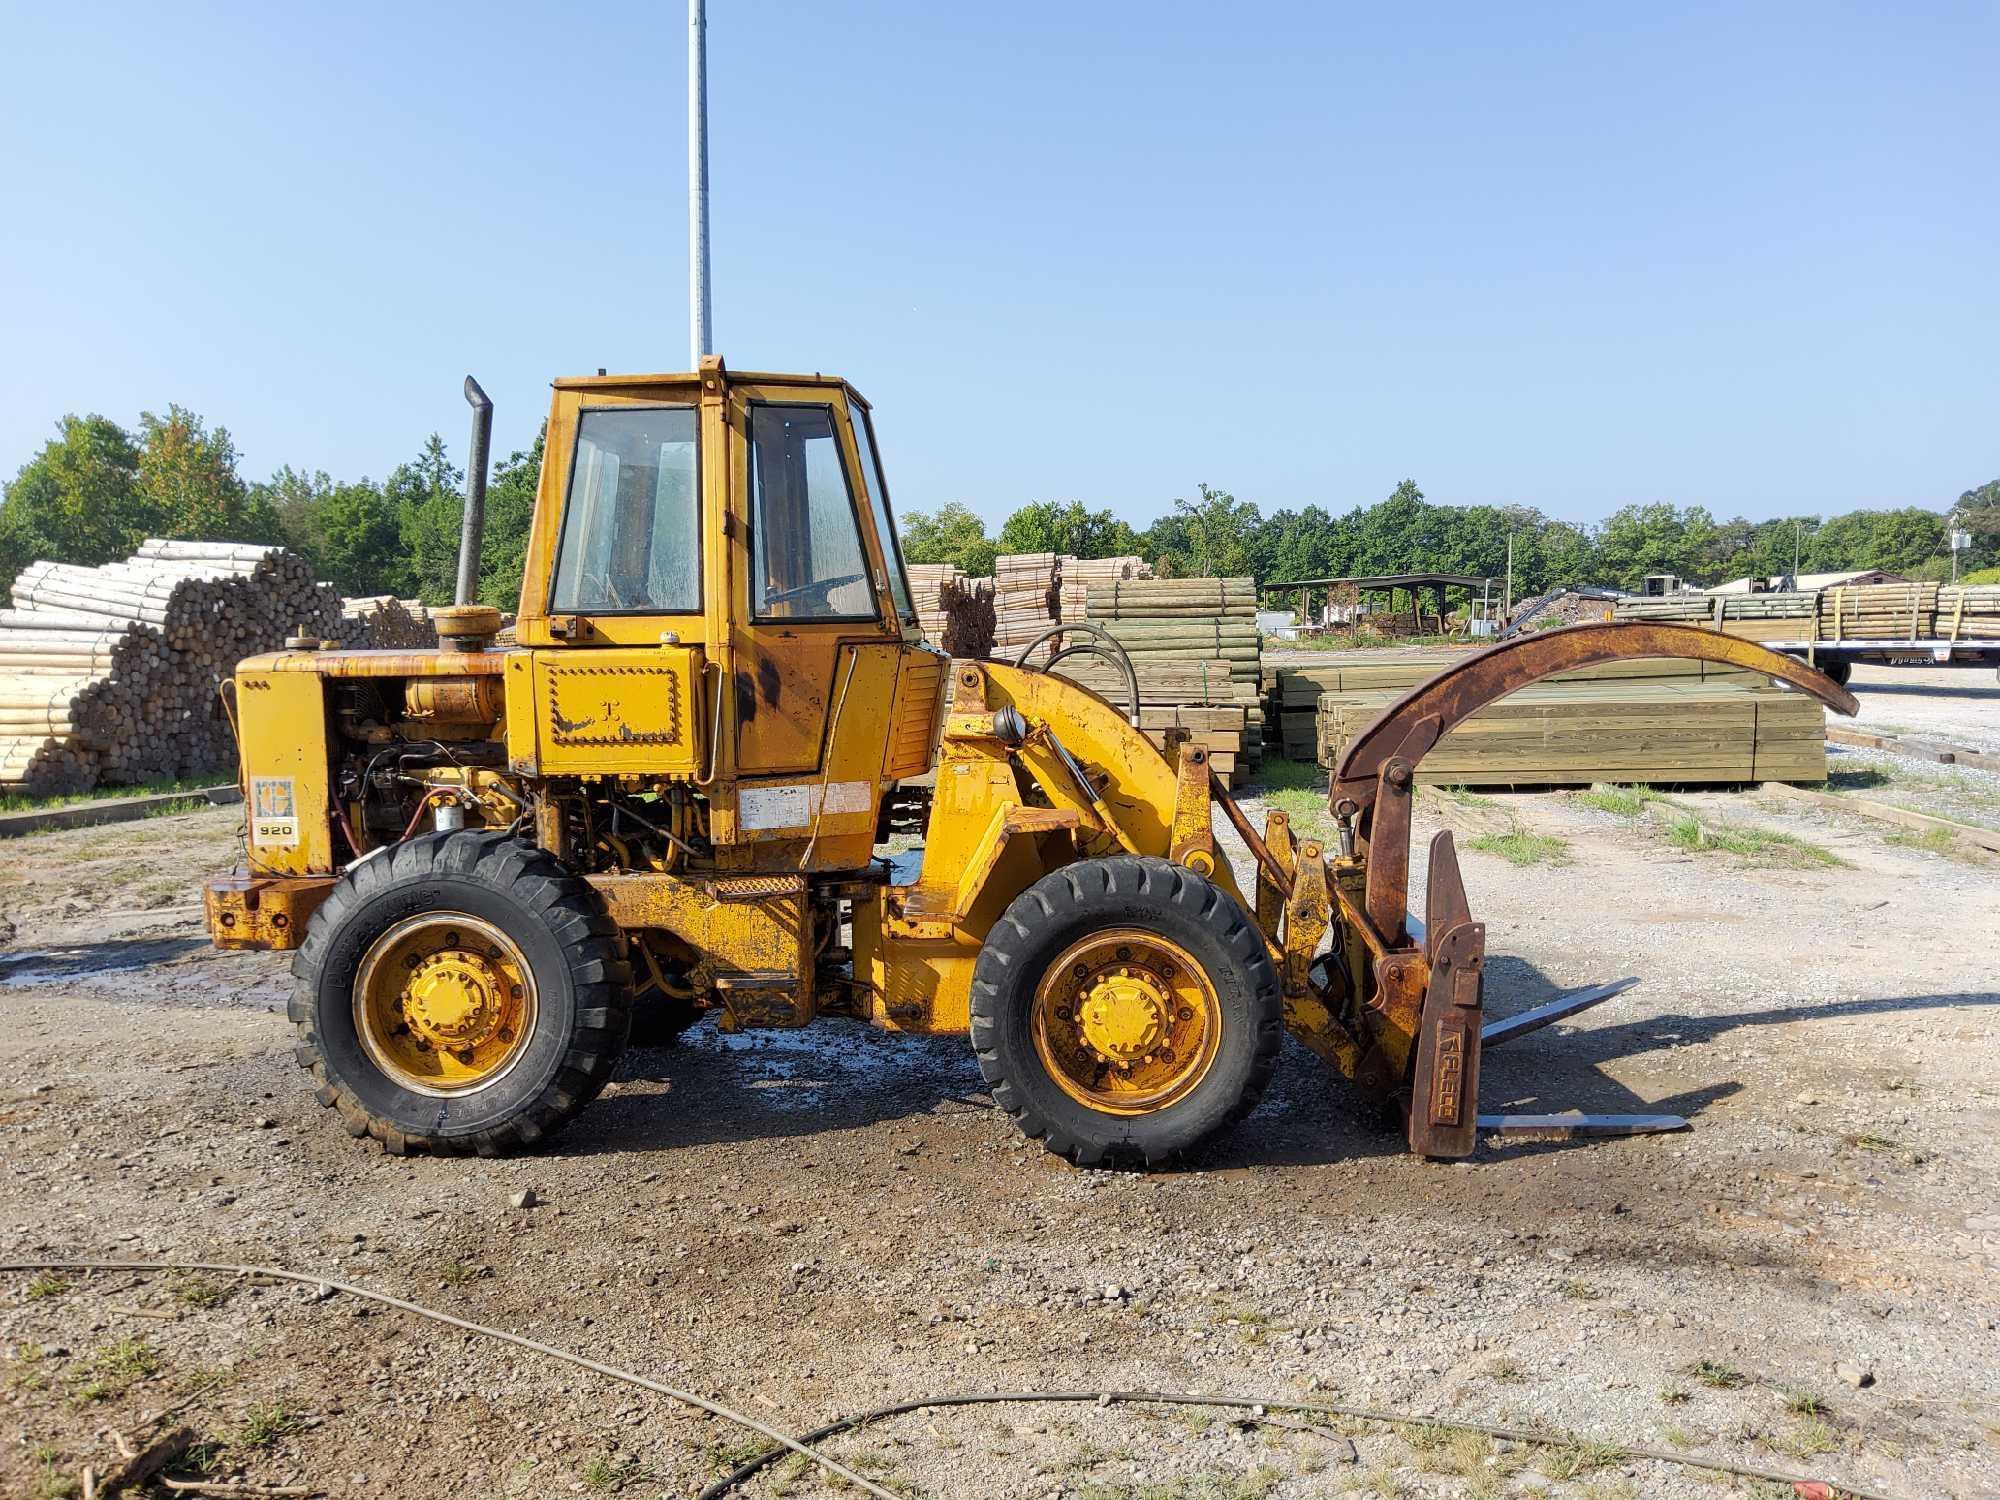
x=1567, y=256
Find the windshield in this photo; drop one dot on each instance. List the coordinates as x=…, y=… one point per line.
x=631, y=532
x=885, y=529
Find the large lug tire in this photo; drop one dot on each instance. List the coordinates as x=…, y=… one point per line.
x=514, y=914
x=1123, y=930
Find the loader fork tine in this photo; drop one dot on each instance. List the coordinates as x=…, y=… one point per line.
x=1558, y=1009
x=1445, y=906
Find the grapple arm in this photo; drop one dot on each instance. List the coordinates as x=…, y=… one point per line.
x=1404, y=1003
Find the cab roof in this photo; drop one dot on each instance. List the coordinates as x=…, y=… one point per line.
x=734, y=377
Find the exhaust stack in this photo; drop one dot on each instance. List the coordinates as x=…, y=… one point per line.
x=475, y=494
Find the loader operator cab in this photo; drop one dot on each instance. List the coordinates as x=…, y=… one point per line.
x=730, y=536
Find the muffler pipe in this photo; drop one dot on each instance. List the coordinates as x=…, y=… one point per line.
x=475, y=494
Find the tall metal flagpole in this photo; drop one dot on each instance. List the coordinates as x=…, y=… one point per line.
x=698, y=306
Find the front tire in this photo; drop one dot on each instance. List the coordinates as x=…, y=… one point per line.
x=460, y=993
x=1125, y=1010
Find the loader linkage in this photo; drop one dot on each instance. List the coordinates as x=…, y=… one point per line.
x=1396, y=1003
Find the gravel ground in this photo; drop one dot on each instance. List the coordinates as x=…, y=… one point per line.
x=1958, y=704
x=807, y=1224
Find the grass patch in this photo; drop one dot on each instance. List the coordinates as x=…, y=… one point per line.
x=263, y=1425
x=1718, y=1376
x=1807, y=1439
x=1619, y=801
x=1675, y=1395
x=1463, y=796
x=46, y=1284
x=1519, y=847
x=1687, y=832
x=602, y=1474
x=1505, y=1372
x=1298, y=790
x=200, y=1292
x=17, y=802
x=1804, y=1404
x=1579, y=1290
x=114, y=1369
x=1574, y=1459
x=459, y=1273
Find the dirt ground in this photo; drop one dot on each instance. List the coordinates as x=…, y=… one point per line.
x=810, y=1224
x=1957, y=704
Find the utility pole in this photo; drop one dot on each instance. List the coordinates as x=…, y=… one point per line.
x=1798, y=528
x=700, y=341
x=1507, y=599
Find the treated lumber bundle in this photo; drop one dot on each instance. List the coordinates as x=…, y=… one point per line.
x=1079, y=574
x=109, y=674
x=1662, y=731
x=1157, y=598
x=1196, y=699
x=1968, y=611
x=1879, y=612
x=1025, y=591
x=1204, y=621
x=1297, y=683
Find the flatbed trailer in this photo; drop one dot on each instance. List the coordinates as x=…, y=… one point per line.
x=1836, y=658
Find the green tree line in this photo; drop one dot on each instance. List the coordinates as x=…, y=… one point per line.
x=97, y=489
x=1213, y=534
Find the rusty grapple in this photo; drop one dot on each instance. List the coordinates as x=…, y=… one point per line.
x=1396, y=1003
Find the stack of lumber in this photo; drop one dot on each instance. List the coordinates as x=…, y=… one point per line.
x=1198, y=701
x=1025, y=588
x=109, y=674
x=955, y=612
x=384, y=622
x=1968, y=611
x=1198, y=620
x=1294, y=684
x=1677, y=722
x=1079, y=573
x=1216, y=710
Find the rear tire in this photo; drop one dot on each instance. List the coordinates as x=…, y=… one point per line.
x=1151, y=918
x=524, y=917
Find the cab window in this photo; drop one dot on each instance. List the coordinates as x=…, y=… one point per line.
x=806, y=561
x=885, y=529
x=631, y=531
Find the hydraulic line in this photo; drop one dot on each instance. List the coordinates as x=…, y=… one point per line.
x=713, y=1408
x=1259, y=1407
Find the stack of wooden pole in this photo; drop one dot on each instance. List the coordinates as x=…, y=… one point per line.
x=927, y=585
x=109, y=674
x=1026, y=587
x=966, y=605
x=384, y=622
x=1866, y=612
x=1079, y=573
x=1200, y=620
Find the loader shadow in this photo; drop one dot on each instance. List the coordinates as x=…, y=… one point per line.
x=69, y=962
x=1866, y=690
x=720, y=1089
x=844, y=1075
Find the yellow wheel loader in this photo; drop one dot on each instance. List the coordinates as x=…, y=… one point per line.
x=668, y=796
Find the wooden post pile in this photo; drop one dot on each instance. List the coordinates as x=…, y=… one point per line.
x=1200, y=620
x=1219, y=711
x=927, y=583
x=384, y=622
x=109, y=674
x=1865, y=612
x=1026, y=586
x=1660, y=721
x=1079, y=573
x=967, y=606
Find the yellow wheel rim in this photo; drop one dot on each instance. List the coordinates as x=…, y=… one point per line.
x=1126, y=1022
x=444, y=1003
